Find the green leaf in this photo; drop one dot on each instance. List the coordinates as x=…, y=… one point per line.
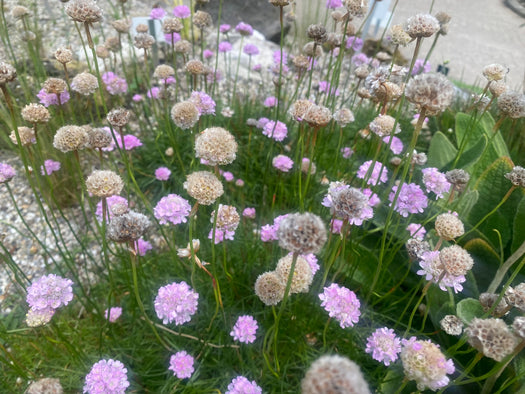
x=486, y=262
x=441, y=151
x=468, y=309
x=467, y=202
x=518, y=230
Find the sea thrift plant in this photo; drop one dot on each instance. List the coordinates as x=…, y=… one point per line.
x=411, y=199
x=173, y=209
x=244, y=329
x=341, y=304
x=49, y=292
x=384, y=345
x=106, y=377
x=241, y=385
x=176, y=303
x=181, y=363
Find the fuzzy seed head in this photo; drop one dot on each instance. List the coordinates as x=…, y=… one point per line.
x=84, y=83
x=356, y=8
x=63, y=55
x=458, y=178
x=299, y=109
x=416, y=248
x=491, y=337
x=388, y=91
x=121, y=25
x=163, y=71
x=182, y=46
x=312, y=50
x=317, y=33
x=495, y=72
x=449, y=227
x=383, y=125
x=318, y=116
x=301, y=62
x=421, y=25
x=497, y=88
x=204, y=187
x=69, y=138
x=343, y=116
x=26, y=134
x=99, y=138
x=113, y=44
x=144, y=41
x=185, y=114
x=7, y=73
x=519, y=326
x=487, y=300
x=195, y=67
x=334, y=374
x=516, y=296
x=216, y=145
x=512, y=104
x=128, y=227
x=35, y=113
x=348, y=203
x=54, y=85
x=172, y=25
x=118, y=117
x=302, y=233
x=269, y=288
x=456, y=260
x=302, y=274
x=103, y=183
x=517, y=176
x=84, y=11
x=202, y=19
x=452, y=325
x=432, y=92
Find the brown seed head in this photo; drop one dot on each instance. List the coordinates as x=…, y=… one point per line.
x=204, y=187
x=269, y=288
x=69, y=138
x=144, y=41
x=63, y=55
x=45, y=386
x=172, y=25
x=195, y=67
x=491, y=337
x=516, y=296
x=317, y=116
x=185, y=114
x=84, y=11
x=421, y=25
x=302, y=275
x=142, y=28
x=113, y=44
x=163, y=71
x=458, y=178
x=343, y=116
x=299, y=109
x=26, y=134
x=452, y=325
x=118, y=117
x=517, y=176
x=54, y=85
x=311, y=49
x=449, y=226
x=216, y=145
x=182, y=46
x=98, y=138
x=512, y=104
x=497, y=88
x=383, y=125
x=495, y=72
x=416, y=248
x=487, y=300
x=35, y=113
x=456, y=260
x=202, y=19
x=432, y=92
x=302, y=233
x=102, y=51
x=104, y=183
x=84, y=83
x=121, y=25
x=128, y=227
x=317, y=33
x=356, y=8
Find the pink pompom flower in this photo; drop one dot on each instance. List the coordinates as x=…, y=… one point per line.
x=244, y=329
x=384, y=345
x=107, y=377
x=113, y=313
x=341, y=304
x=176, y=303
x=181, y=363
x=282, y=163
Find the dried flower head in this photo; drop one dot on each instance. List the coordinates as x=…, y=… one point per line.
x=302, y=233
x=334, y=374
x=63, y=55
x=84, y=83
x=302, y=275
x=202, y=19
x=7, y=73
x=424, y=363
x=317, y=116
x=144, y=41
x=128, y=227
x=383, y=125
x=312, y=50
x=491, y=337
x=431, y=91
x=106, y=377
x=172, y=25
x=84, y=11
x=118, y=117
x=399, y=36
x=317, y=33
x=301, y=62
x=279, y=3
x=388, y=91
x=516, y=296
x=121, y=25
x=35, y=113
x=487, y=300
x=102, y=51
x=99, y=138
x=54, y=85
x=182, y=46
x=495, y=72
x=458, y=178
x=70, y=138
x=113, y=44
x=452, y=325
x=195, y=67
x=19, y=12
x=421, y=25
x=512, y=104
x=142, y=28
x=104, y=183
x=163, y=71
x=416, y=248
x=519, y=326
x=348, y=203
x=299, y=109
x=343, y=116
x=45, y=386
x=448, y=226
x=269, y=288
x=176, y=303
x=497, y=88
x=185, y=114
x=26, y=134
x=356, y=8
x=204, y=187
x=456, y=260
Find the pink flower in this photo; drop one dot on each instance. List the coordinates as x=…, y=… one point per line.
x=336, y=225
x=333, y=4
x=137, y=97
x=239, y=183
x=172, y=38
x=203, y=102
x=276, y=130
x=377, y=176
x=207, y=54
x=270, y=102
x=435, y=181
x=282, y=163
x=359, y=59
x=143, y=247
x=384, y=345
x=172, y=208
x=244, y=329
x=6, y=172
x=49, y=167
x=228, y=176
x=112, y=314
x=347, y=152
x=153, y=92
x=162, y=173
x=48, y=293
x=341, y=304
x=421, y=67
x=250, y=50
x=354, y=43
x=417, y=231
x=107, y=377
x=182, y=11
x=225, y=46
x=157, y=13
x=181, y=363
x=48, y=99
x=433, y=270
x=111, y=202
x=269, y=231
x=176, y=302
x=244, y=29
x=241, y=385
x=130, y=142
x=225, y=28
x=324, y=87
x=396, y=146
x=249, y=213
x=411, y=199
x=114, y=84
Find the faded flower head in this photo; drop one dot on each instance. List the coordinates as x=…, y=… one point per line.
x=128, y=227
x=317, y=116
x=204, y=187
x=343, y=116
x=216, y=145
x=426, y=364
x=421, y=25
x=302, y=275
x=84, y=83
x=84, y=11
x=7, y=73
x=416, y=248
x=99, y=138
x=121, y=25
x=384, y=345
x=202, y=19
x=519, y=326
x=163, y=71
x=176, y=303
x=269, y=288
x=433, y=269
x=487, y=301
x=185, y=114
x=356, y=8
x=334, y=374
x=497, y=88
x=517, y=176
x=431, y=92
x=55, y=85
x=195, y=67
x=302, y=233
x=495, y=72
x=299, y=109
x=399, y=36
x=181, y=363
x=118, y=117
x=512, y=104
x=317, y=33
x=104, y=183
x=26, y=134
x=491, y=337
x=107, y=377
x=172, y=208
x=45, y=386
x=458, y=178
x=35, y=113
x=172, y=25
x=383, y=125
x=448, y=226
x=244, y=329
x=341, y=304
x=456, y=260
x=515, y=296
x=452, y=325
x=69, y=138
x=144, y=41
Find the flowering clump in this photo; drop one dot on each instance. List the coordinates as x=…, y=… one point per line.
x=107, y=377
x=377, y=175
x=435, y=181
x=384, y=345
x=181, y=363
x=241, y=385
x=411, y=199
x=176, y=302
x=424, y=363
x=172, y=208
x=45, y=295
x=244, y=329
x=341, y=304
x=433, y=269
x=112, y=314
x=282, y=163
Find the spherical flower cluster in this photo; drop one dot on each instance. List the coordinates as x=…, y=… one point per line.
x=341, y=304
x=491, y=337
x=49, y=292
x=128, y=227
x=276, y=130
x=143, y=41
x=181, y=363
x=176, y=303
x=112, y=314
x=433, y=269
x=435, y=181
x=416, y=248
x=124, y=142
x=399, y=36
x=185, y=114
x=356, y=8
x=452, y=325
x=411, y=199
x=116, y=205
x=488, y=301
x=302, y=233
x=269, y=231
x=282, y=163
x=384, y=345
x=84, y=83
x=250, y=50
x=448, y=226
x=202, y=19
x=26, y=134
x=162, y=173
x=512, y=104
x=182, y=11
x=424, y=363
x=241, y=385
x=269, y=288
x=421, y=25
x=7, y=172
x=383, y=125
x=244, y=29
x=376, y=176
x=244, y=329
x=216, y=145
x=343, y=116
x=45, y=386
x=172, y=208
x=225, y=224
x=204, y=103
x=49, y=167
x=114, y=83
x=317, y=33
x=204, y=187
x=458, y=178
x=107, y=377
x=317, y=116
x=299, y=108
x=346, y=202
x=35, y=113
x=495, y=72
x=334, y=374
x=517, y=176
x=7, y=73
x=69, y=138
x=431, y=92
x=302, y=275
x=104, y=183
x=456, y=260
x=84, y=11
x=48, y=99
x=515, y=296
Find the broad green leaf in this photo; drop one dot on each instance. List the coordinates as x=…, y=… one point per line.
x=468, y=309
x=470, y=157
x=467, y=202
x=518, y=231
x=441, y=151
x=486, y=262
